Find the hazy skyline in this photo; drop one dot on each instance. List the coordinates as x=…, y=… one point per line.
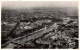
x=33, y=4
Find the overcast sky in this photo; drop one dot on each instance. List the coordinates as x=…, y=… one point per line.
x=32, y=4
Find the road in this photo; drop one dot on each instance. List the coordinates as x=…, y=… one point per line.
x=25, y=39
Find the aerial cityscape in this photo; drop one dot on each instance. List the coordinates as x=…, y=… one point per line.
x=39, y=25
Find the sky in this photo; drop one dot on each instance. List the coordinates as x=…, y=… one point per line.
x=33, y=4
